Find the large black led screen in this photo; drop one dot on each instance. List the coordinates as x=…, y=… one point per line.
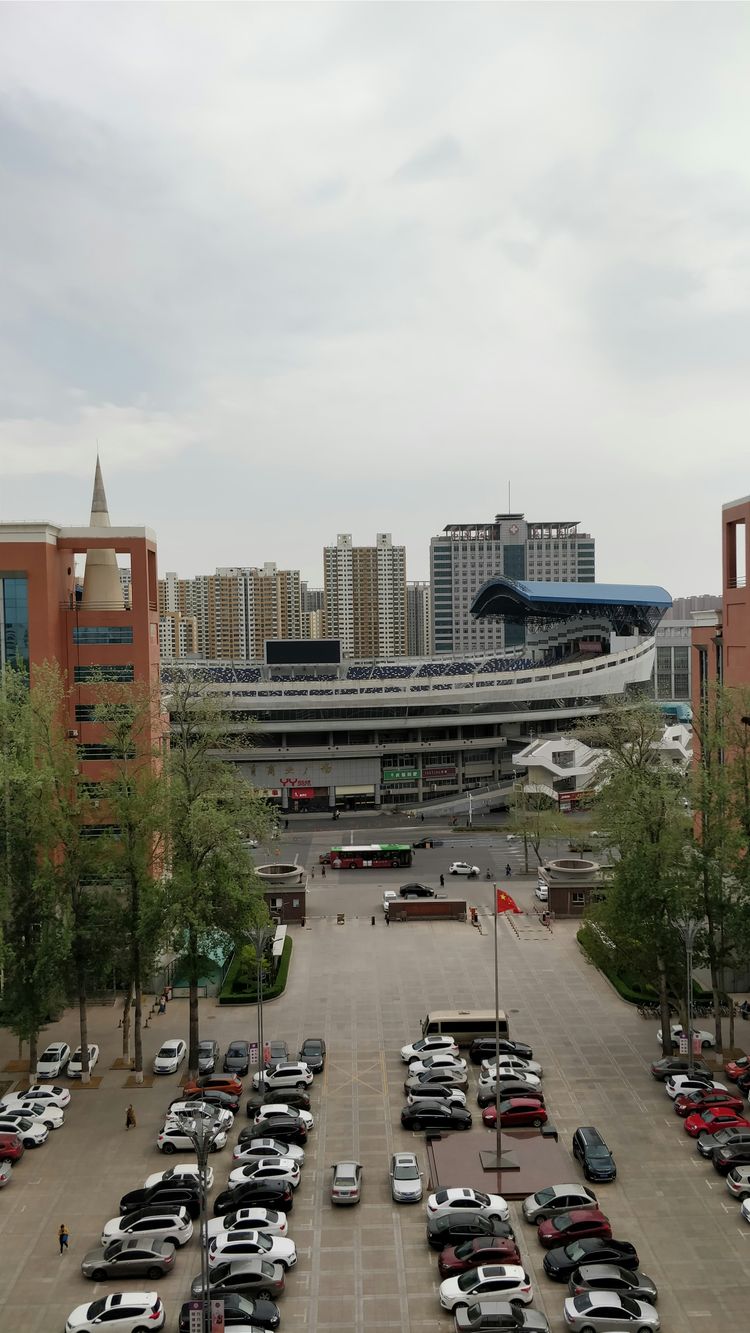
x=302, y=652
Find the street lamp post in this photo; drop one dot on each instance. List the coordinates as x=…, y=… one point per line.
x=260, y=937
x=202, y=1130
x=470, y=809
x=687, y=928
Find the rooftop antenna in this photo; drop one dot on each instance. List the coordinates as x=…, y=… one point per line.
x=508, y=497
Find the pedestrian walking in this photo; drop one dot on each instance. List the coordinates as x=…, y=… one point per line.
x=63, y=1237
x=286, y=823
x=130, y=1120
x=387, y=919
x=442, y=881
x=163, y=1005
x=323, y=871
x=372, y=920
x=508, y=871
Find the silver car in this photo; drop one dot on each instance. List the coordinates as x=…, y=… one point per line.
x=406, y=1178
x=139, y=1257
x=607, y=1312
x=346, y=1185
x=557, y=1199
x=498, y=1317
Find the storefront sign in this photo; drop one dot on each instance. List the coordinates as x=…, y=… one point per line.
x=429, y=774
x=400, y=775
x=302, y=793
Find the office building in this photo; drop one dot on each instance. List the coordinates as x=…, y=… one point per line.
x=466, y=554
x=418, y=620
x=364, y=590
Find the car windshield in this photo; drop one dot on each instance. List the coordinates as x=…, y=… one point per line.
x=544, y=1196
x=561, y=1222
x=236, y=1048
x=406, y=1171
x=468, y=1281
x=312, y=1047
x=598, y=1151
x=96, y=1308
x=205, y=1047
x=168, y=1051
x=267, y=1270
x=575, y=1251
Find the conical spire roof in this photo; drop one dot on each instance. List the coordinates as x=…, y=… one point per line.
x=101, y=579
x=99, y=510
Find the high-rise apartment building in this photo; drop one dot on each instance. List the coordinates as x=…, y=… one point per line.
x=465, y=554
x=178, y=635
x=235, y=609
x=364, y=591
x=418, y=620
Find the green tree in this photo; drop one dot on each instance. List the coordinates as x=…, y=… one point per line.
x=534, y=817
x=214, y=895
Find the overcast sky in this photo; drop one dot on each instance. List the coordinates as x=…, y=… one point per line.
x=309, y=269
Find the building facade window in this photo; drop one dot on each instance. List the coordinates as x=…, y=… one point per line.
x=102, y=634
x=14, y=621
x=84, y=674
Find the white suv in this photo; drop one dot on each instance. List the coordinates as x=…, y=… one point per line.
x=284, y=1076
x=463, y=868
x=122, y=1311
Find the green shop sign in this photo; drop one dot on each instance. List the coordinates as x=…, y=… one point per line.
x=400, y=775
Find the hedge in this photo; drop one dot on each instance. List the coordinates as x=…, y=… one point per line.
x=234, y=990
x=630, y=988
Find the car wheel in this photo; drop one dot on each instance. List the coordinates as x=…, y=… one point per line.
x=28, y=1143
x=168, y=1148
x=705, y=1045
x=264, y=1295
x=454, y=872
x=98, y=1275
x=154, y=1274
x=300, y=1087
x=536, y=1123
x=48, y=1124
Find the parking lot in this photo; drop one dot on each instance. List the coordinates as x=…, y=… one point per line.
x=365, y=990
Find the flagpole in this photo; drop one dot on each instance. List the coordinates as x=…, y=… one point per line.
x=498, y=1130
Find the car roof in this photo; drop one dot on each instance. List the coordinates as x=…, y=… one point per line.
x=345, y=1166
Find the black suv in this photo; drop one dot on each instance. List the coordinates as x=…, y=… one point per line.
x=313, y=1053
x=451, y=1230
x=729, y=1156
x=165, y=1194
x=483, y=1048
x=237, y=1058
x=593, y=1154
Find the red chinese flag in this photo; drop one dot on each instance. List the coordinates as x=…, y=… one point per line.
x=504, y=902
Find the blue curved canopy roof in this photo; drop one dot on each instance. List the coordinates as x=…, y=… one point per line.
x=626, y=605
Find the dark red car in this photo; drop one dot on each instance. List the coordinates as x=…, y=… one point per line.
x=518, y=1111
x=685, y=1103
x=11, y=1147
x=457, y=1259
x=213, y=1082
x=708, y=1122
x=735, y=1069
x=575, y=1225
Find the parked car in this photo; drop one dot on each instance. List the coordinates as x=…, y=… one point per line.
x=447, y=1077
x=564, y=1227
x=237, y=1058
x=45, y=1112
x=560, y=1263
x=440, y=1060
x=681, y=1084
x=695, y=1102
x=173, y=1225
x=709, y=1144
x=456, y=1200
x=678, y=1032
x=229, y=1084
x=44, y=1092
x=32, y=1133
x=278, y=1054
x=607, y=1312
x=463, y=868
x=435, y=1117
x=678, y=1064
x=274, y=1194
x=593, y=1154
x=266, y=1168
x=542, y=891
x=255, y=1149
x=707, y=1122
x=225, y=1101
x=170, y=1056
x=416, y=890
x=491, y=1316
x=608, y=1277
x=296, y=1098
x=556, y=1199
x=510, y=1282
x=269, y=1110
x=6, y=1171
x=284, y=1076
x=405, y=1177
x=240, y=1312
x=250, y=1277
x=729, y=1156
x=208, y=1055
x=121, y=1311
x=738, y=1182
x=136, y=1257
x=11, y=1147
x=484, y=1048
x=417, y=1050
x=184, y=1193
x=346, y=1182
x=249, y=1218
x=735, y=1069
x=287, y=1127
x=523, y=1068
x=53, y=1060
x=453, y=1228
x=197, y=1110
x=74, y=1063
x=510, y=1087
x=427, y=841
x=516, y=1112
x=175, y=1175
x=437, y=1093
x=232, y=1246
x=455, y=1259
x=173, y=1137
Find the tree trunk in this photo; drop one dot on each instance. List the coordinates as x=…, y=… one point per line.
x=33, y=1049
x=126, y=1003
x=193, y=1021
x=84, y=1025
x=666, y=1032
x=138, y=1033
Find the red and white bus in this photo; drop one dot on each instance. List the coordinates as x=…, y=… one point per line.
x=372, y=856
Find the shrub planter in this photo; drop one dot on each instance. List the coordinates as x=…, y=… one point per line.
x=236, y=991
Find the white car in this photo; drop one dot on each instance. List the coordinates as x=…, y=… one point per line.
x=439, y=1061
x=74, y=1063
x=255, y=1148
x=284, y=1076
x=439, y=1044
x=455, y=1097
x=677, y=1031
x=519, y=1066
x=32, y=1133
x=171, y=1055
x=173, y=1225
x=682, y=1083
x=215, y=1114
x=467, y=1201
x=44, y=1092
x=738, y=1183
x=463, y=868
x=175, y=1172
x=48, y=1115
x=53, y=1060
x=542, y=892
x=492, y=1282
x=121, y=1311
x=249, y=1218
x=237, y=1246
x=507, y=1074
x=283, y=1169
x=389, y=896
x=281, y=1108
x=172, y=1137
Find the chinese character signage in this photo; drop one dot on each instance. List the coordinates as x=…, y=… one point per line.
x=400, y=775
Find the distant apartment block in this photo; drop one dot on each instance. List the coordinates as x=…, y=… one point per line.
x=418, y=620
x=364, y=599
x=465, y=554
x=178, y=635
x=234, y=610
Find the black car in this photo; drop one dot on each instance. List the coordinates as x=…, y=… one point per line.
x=225, y=1100
x=313, y=1052
x=731, y=1155
x=435, y=1117
x=427, y=841
x=417, y=891
x=708, y=1144
x=208, y=1054
x=164, y=1194
x=743, y=1083
x=513, y=1088
x=277, y=1054
x=678, y=1064
x=288, y=1128
x=245, y=1281
x=238, y=1310
x=265, y=1193
x=593, y=1154
x=296, y=1097
x=483, y=1048
x=237, y=1058
x=442, y=1231
x=562, y=1261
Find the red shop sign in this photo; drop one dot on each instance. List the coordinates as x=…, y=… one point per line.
x=302, y=793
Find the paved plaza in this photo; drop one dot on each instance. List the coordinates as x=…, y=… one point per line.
x=365, y=990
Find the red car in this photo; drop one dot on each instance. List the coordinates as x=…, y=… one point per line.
x=518, y=1111
x=734, y=1069
x=685, y=1103
x=474, y=1253
x=11, y=1147
x=709, y=1122
x=575, y=1225
x=228, y=1083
